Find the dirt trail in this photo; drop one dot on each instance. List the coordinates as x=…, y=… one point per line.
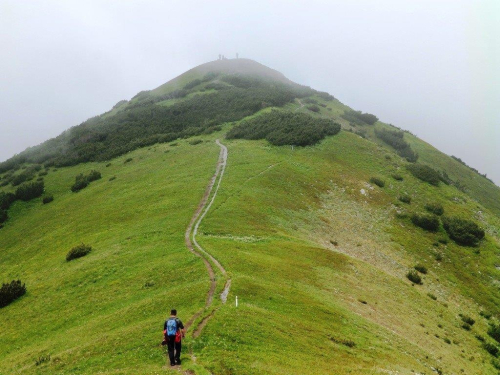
x=191, y=232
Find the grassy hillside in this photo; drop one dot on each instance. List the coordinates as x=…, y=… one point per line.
x=317, y=252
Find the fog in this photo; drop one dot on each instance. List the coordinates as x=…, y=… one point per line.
x=431, y=67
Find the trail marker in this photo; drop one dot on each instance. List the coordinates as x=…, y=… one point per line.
x=236, y=301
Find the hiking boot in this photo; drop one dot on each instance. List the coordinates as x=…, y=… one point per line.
x=172, y=364
x=178, y=362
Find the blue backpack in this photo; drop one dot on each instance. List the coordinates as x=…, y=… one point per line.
x=171, y=326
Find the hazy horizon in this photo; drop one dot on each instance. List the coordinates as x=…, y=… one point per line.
x=430, y=67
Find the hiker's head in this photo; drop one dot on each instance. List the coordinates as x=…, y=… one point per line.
x=173, y=312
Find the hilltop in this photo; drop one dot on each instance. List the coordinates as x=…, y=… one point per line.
x=359, y=250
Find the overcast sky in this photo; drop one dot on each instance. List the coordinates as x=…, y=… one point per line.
x=432, y=67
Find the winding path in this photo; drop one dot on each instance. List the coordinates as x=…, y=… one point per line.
x=194, y=247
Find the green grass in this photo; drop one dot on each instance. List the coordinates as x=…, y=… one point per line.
x=317, y=255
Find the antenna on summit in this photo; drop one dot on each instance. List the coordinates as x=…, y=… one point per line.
x=237, y=54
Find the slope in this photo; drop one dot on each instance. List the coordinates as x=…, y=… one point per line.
x=317, y=254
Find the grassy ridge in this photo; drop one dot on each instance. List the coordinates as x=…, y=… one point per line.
x=104, y=312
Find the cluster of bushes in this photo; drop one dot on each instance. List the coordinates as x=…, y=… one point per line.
x=435, y=208
x=142, y=122
x=427, y=222
x=285, y=128
x=82, y=181
x=9, y=292
x=462, y=231
x=396, y=140
x=425, y=173
x=24, y=192
x=30, y=190
x=27, y=174
x=359, y=117
x=78, y=252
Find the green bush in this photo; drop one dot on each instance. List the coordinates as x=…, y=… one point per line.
x=435, y=208
x=432, y=296
x=405, y=199
x=395, y=138
x=491, y=348
x=467, y=319
x=81, y=182
x=424, y=173
x=285, y=128
x=397, y=177
x=464, y=232
x=421, y=268
x=128, y=160
x=30, y=190
x=485, y=315
x=9, y=292
x=3, y=216
x=377, y=181
x=427, y=222
x=414, y=277
x=359, y=117
x=47, y=199
x=313, y=108
x=195, y=142
x=94, y=176
x=6, y=199
x=78, y=252
x=309, y=101
x=494, y=331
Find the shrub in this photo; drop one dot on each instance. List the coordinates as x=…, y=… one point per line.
x=435, y=208
x=359, y=117
x=112, y=178
x=9, y=292
x=42, y=359
x=285, y=128
x=395, y=138
x=405, y=199
x=466, y=326
x=43, y=173
x=414, y=277
x=491, y=348
x=464, y=232
x=30, y=190
x=438, y=257
x=485, y=315
x=444, y=241
x=81, y=182
x=467, y=319
x=424, y=173
x=3, y=216
x=47, y=199
x=78, y=252
x=108, y=165
x=427, y=222
x=421, y=268
x=195, y=142
x=432, y=296
x=309, y=101
x=93, y=176
x=128, y=160
x=313, y=108
x=6, y=199
x=397, y=177
x=377, y=181
x=494, y=331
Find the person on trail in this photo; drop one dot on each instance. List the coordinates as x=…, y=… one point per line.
x=174, y=331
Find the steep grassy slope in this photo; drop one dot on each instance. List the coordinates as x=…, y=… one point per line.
x=317, y=254
x=104, y=312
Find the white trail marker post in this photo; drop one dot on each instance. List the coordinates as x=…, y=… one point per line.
x=236, y=301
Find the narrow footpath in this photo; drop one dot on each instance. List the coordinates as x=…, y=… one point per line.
x=194, y=247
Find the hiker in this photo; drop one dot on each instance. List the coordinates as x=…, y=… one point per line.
x=174, y=331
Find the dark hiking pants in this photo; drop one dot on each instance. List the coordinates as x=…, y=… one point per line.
x=174, y=350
